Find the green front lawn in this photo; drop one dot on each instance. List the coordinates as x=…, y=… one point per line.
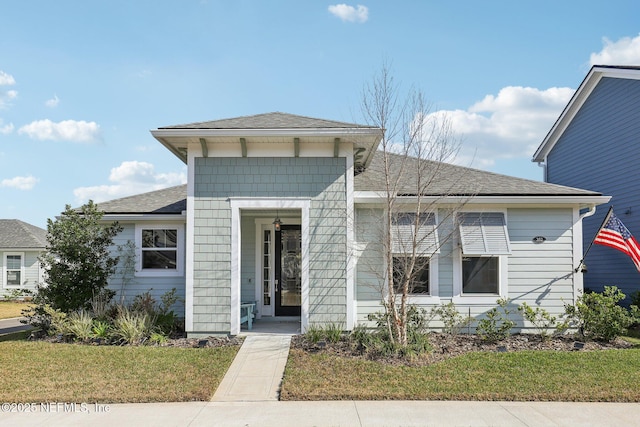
x=607, y=375
x=45, y=372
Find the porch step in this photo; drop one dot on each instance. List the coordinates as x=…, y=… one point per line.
x=257, y=370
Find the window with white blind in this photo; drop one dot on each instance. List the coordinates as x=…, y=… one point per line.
x=13, y=270
x=481, y=262
x=414, y=242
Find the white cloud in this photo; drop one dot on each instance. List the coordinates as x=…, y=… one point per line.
x=131, y=177
x=510, y=124
x=625, y=51
x=6, y=95
x=6, y=79
x=20, y=182
x=349, y=13
x=53, y=102
x=66, y=130
x=5, y=129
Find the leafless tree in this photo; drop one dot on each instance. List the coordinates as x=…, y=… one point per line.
x=414, y=170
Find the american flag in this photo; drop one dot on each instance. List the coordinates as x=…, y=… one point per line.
x=614, y=234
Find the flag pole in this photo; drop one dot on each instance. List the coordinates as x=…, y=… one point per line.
x=604, y=221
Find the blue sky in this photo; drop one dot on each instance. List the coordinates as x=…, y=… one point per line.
x=83, y=82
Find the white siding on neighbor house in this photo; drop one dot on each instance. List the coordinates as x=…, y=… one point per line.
x=540, y=274
x=156, y=285
x=31, y=271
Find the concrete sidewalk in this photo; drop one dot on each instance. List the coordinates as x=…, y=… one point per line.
x=8, y=326
x=335, y=413
x=248, y=396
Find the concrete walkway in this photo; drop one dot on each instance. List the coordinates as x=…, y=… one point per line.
x=257, y=370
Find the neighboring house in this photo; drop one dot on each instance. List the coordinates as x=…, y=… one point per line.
x=594, y=144
x=20, y=246
x=281, y=210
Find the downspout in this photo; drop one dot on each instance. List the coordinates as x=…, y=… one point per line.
x=591, y=211
x=543, y=165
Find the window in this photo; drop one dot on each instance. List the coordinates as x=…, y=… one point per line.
x=161, y=250
x=418, y=281
x=415, y=234
x=480, y=275
x=481, y=262
x=14, y=266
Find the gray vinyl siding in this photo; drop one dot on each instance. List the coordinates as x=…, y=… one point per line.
x=248, y=260
x=369, y=273
x=539, y=274
x=322, y=180
x=156, y=286
x=599, y=151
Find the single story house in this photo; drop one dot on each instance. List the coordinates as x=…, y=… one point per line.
x=20, y=246
x=283, y=211
x=594, y=144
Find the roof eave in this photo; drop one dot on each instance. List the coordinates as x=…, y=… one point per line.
x=144, y=217
x=596, y=73
x=374, y=197
x=366, y=137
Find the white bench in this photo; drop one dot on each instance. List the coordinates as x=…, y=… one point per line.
x=246, y=314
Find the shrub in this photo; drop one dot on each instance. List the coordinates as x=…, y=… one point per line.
x=314, y=334
x=635, y=298
x=384, y=343
x=452, y=320
x=158, y=338
x=79, y=325
x=78, y=261
x=333, y=332
x=164, y=318
x=495, y=326
x=597, y=316
x=54, y=320
x=101, y=329
x=132, y=327
x=539, y=318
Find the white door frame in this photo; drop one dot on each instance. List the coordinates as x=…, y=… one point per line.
x=242, y=203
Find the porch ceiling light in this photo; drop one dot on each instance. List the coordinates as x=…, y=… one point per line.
x=277, y=223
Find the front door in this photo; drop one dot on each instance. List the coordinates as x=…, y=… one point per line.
x=288, y=270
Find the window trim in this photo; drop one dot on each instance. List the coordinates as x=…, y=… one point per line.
x=433, y=296
x=180, y=250
x=503, y=266
x=5, y=270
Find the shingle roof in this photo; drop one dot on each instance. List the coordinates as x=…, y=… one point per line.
x=275, y=120
x=15, y=234
x=172, y=200
x=448, y=179
x=445, y=179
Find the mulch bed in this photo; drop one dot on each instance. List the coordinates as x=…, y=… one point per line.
x=446, y=346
